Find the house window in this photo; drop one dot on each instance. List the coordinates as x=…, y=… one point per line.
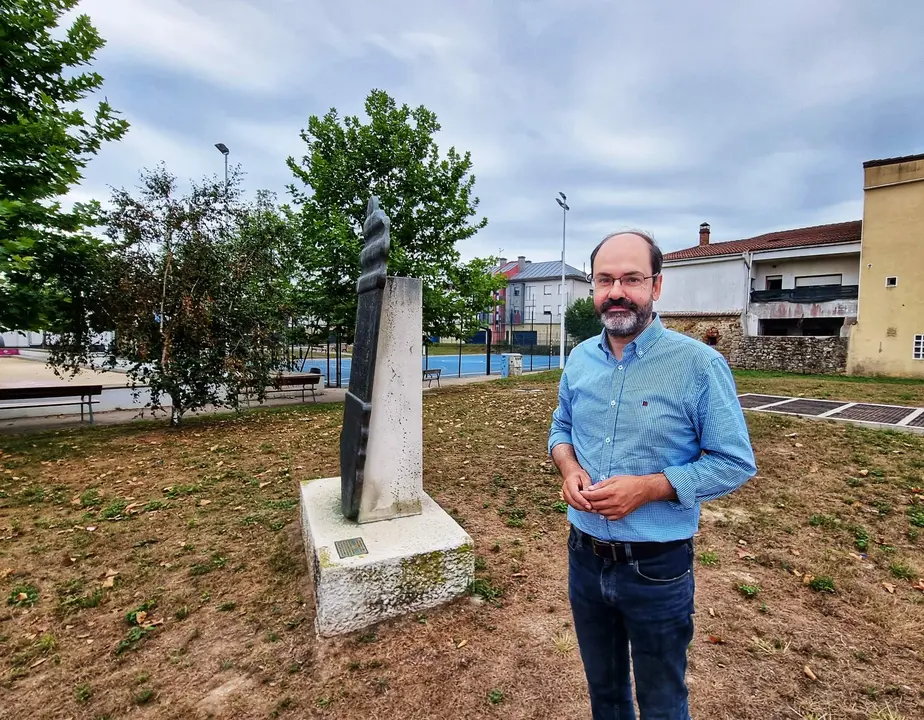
x=918, y=347
x=559, y=311
x=892, y=281
x=547, y=290
x=590, y=292
x=816, y=280
x=546, y=309
x=774, y=282
x=516, y=292
x=559, y=288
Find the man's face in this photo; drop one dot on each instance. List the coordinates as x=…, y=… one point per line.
x=624, y=291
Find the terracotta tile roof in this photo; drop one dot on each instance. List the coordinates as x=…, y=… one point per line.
x=846, y=232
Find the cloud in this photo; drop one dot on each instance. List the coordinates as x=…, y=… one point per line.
x=751, y=116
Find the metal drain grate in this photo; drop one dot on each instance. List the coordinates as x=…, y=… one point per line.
x=890, y=414
x=807, y=407
x=752, y=401
x=917, y=422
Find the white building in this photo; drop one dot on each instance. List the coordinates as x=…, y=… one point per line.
x=530, y=307
x=794, y=282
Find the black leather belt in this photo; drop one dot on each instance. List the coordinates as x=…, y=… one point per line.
x=625, y=552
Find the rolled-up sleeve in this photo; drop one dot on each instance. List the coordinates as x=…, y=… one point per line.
x=560, y=432
x=727, y=460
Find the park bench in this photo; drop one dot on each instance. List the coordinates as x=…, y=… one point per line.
x=431, y=375
x=280, y=383
x=33, y=396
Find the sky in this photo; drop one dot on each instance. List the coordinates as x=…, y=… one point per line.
x=752, y=116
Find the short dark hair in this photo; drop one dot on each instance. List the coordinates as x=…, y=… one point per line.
x=657, y=257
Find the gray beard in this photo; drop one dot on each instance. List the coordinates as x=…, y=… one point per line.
x=628, y=323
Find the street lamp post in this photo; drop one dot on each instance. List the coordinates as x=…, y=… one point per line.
x=563, y=202
x=223, y=149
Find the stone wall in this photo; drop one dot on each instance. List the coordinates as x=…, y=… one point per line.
x=798, y=354
x=822, y=355
x=721, y=331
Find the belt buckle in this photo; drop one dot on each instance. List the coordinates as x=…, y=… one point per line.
x=611, y=550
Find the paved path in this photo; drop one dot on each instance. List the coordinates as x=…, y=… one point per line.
x=114, y=417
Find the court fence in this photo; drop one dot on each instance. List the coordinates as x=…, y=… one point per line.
x=333, y=360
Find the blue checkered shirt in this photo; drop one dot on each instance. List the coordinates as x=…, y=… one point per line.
x=670, y=405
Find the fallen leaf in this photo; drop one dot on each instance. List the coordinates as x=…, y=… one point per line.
x=264, y=484
x=792, y=435
x=220, y=463
x=462, y=644
x=742, y=542
x=919, y=585
x=745, y=555
x=139, y=617
x=890, y=587
x=796, y=552
x=91, y=528
x=798, y=445
x=711, y=612
x=808, y=672
x=203, y=503
x=806, y=579
x=37, y=663
x=5, y=573
x=213, y=448
x=863, y=473
x=716, y=640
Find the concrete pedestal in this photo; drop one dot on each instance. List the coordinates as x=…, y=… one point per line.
x=402, y=565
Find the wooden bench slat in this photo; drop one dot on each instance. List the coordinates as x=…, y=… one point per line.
x=21, y=406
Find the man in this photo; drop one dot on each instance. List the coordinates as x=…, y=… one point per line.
x=648, y=426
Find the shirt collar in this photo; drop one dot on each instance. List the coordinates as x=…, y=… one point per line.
x=643, y=343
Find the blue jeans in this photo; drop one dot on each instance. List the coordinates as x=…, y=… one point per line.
x=638, y=607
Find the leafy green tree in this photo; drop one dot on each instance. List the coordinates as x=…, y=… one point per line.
x=45, y=142
x=581, y=320
x=429, y=200
x=195, y=291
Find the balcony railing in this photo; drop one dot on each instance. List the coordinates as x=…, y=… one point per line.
x=817, y=293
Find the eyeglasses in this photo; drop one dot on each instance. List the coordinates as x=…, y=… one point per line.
x=632, y=280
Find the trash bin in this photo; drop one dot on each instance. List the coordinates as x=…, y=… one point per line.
x=511, y=365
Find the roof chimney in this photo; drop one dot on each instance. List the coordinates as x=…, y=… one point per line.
x=704, y=234
x=502, y=261
x=521, y=262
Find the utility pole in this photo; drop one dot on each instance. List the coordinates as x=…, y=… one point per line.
x=563, y=202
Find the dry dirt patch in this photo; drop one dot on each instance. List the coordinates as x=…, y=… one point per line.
x=159, y=573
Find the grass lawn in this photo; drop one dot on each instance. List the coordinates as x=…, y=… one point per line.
x=888, y=391
x=150, y=573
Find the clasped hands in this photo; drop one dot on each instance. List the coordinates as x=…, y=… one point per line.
x=615, y=497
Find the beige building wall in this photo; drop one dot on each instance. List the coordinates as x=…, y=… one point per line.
x=889, y=318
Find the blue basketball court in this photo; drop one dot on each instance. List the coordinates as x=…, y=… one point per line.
x=449, y=364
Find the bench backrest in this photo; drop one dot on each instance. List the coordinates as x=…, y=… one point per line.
x=49, y=391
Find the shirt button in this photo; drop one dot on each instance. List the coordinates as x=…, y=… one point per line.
x=641, y=352
x=613, y=403
x=607, y=440
x=620, y=367
x=603, y=477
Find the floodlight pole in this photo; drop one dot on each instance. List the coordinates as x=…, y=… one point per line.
x=564, y=293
